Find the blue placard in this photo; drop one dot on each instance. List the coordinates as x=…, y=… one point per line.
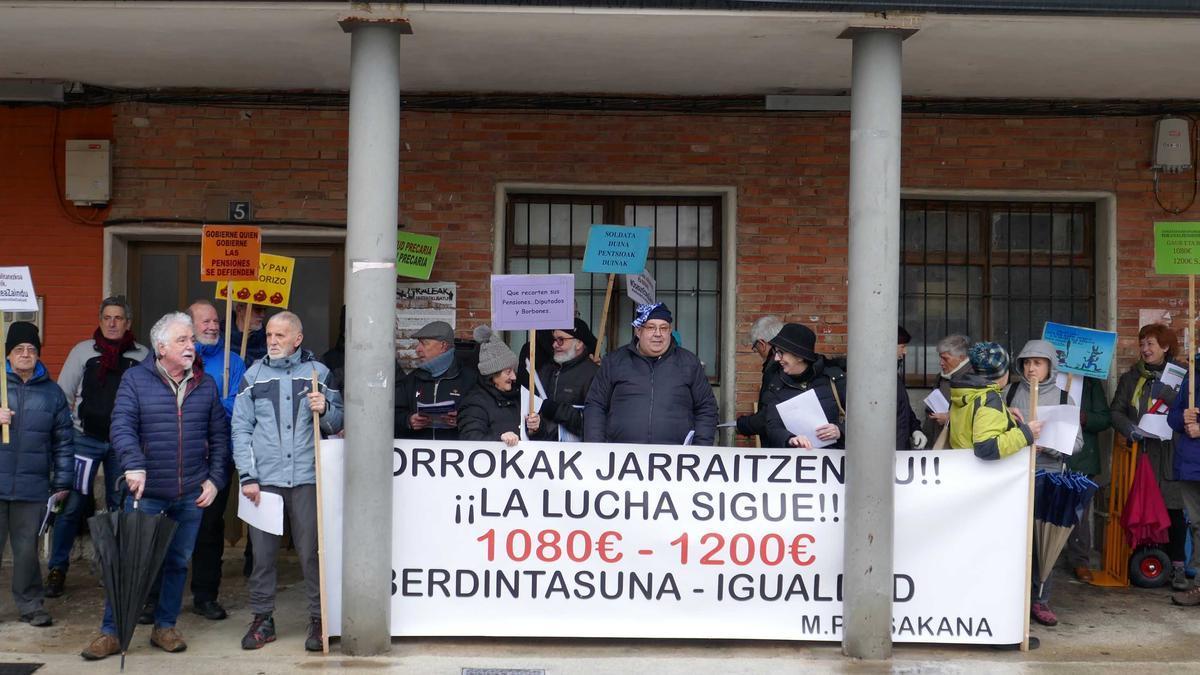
x=616, y=249
x=1082, y=351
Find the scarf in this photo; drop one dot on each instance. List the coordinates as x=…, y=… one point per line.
x=438, y=365
x=1146, y=373
x=110, y=352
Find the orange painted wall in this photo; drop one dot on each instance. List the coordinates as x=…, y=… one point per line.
x=41, y=230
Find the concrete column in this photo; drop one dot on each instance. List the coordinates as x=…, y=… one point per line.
x=371, y=214
x=874, y=277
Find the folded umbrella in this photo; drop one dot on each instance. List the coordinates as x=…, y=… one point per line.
x=1145, y=518
x=130, y=549
x=1060, y=499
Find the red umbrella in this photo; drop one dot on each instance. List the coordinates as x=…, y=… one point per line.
x=1145, y=518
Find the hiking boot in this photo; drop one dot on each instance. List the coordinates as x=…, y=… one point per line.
x=209, y=609
x=1179, y=580
x=55, y=581
x=1188, y=598
x=168, y=639
x=1084, y=574
x=313, y=641
x=262, y=631
x=38, y=617
x=1043, y=614
x=100, y=647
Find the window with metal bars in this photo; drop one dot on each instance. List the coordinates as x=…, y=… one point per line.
x=547, y=234
x=993, y=271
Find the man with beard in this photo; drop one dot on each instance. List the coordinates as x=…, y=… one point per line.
x=566, y=380
x=89, y=378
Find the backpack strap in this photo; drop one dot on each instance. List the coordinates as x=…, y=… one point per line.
x=1012, y=393
x=1064, y=397
x=837, y=399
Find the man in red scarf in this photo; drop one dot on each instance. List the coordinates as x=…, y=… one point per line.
x=89, y=378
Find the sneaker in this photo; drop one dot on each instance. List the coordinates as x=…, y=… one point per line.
x=209, y=609
x=262, y=631
x=103, y=646
x=1188, y=598
x=313, y=641
x=55, y=581
x=1179, y=580
x=1043, y=614
x=38, y=617
x=168, y=639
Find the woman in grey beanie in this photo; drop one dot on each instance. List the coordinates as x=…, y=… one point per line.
x=492, y=411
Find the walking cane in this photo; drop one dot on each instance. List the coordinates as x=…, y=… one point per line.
x=316, y=424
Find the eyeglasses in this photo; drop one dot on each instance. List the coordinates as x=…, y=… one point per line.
x=561, y=340
x=22, y=350
x=656, y=330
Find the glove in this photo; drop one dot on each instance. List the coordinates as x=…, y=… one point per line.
x=1136, y=435
x=548, y=409
x=918, y=440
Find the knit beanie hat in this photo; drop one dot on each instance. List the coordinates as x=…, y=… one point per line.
x=494, y=355
x=644, y=313
x=21, y=332
x=988, y=359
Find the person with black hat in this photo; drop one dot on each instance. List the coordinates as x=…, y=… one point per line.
x=440, y=378
x=492, y=411
x=802, y=369
x=651, y=390
x=566, y=377
x=36, y=463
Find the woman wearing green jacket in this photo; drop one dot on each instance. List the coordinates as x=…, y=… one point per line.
x=1094, y=418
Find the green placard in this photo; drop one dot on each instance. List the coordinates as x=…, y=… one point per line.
x=415, y=254
x=1177, y=248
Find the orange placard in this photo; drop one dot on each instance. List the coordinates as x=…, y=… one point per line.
x=229, y=253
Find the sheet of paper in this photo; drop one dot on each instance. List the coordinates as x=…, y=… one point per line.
x=1173, y=375
x=687, y=440
x=437, y=413
x=802, y=415
x=727, y=425
x=537, y=381
x=1060, y=427
x=537, y=405
x=1076, y=391
x=936, y=402
x=267, y=516
x=565, y=436
x=48, y=517
x=83, y=474
x=1156, y=426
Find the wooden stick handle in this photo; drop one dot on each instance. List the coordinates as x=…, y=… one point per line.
x=228, y=337
x=246, y=330
x=1191, y=357
x=3, y=382
x=532, y=370
x=316, y=423
x=1033, y=406
x=602, y=330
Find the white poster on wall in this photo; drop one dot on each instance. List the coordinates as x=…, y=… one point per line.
x=590, y=540
x=416, y=305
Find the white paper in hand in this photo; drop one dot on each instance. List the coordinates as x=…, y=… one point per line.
x=1172, y=375
x=537, y=405
x=936, y=402
x=1060, y=427
x=267, y=516
x=802, y=415
x=1155, y=426
x=1076, y=391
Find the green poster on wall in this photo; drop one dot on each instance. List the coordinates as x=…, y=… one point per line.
x=415, y=254
x=1177, y=248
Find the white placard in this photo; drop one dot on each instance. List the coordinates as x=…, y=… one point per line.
x=936, y=402
x=641, y=288
x=267, y=515
x=1155, y=426
x=802, y=415
x=416, y=305
x=537, y=406
x=615, y=550
x=1060, y=427
x=16, y=290
x=1173, y=375
x=1076, y=391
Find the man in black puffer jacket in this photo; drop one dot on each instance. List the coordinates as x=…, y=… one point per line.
x=37, y=461
x=651, y=390
x=166, y=418
x=567, y=377
x=441, y=378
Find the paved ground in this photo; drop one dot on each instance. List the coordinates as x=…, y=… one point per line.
x=1100, y=631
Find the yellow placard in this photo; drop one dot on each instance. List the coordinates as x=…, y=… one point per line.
x=274, y=285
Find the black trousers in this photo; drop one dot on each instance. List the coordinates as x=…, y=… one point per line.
x=210, y=546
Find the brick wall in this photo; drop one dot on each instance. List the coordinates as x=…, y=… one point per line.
x=791, y=173
x=37, y=228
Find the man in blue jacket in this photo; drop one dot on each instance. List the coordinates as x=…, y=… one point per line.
x=273, y=449
x=651, y=390
x=1183, y=421
x=37, y=461
x=166, y=418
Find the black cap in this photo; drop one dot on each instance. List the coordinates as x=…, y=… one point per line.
x=798, y=339
x=582, y=333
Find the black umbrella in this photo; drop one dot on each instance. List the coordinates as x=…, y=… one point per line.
x=131, y=547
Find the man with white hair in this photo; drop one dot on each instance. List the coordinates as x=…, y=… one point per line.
x=166, y=418
x=952, y=359
x=761, y=333
x=273, y=439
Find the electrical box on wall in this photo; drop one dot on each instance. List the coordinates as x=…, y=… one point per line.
x=1172, y=145
x=89, y=171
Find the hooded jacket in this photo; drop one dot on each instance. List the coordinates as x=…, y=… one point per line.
x=567, y=386
x=640, y=399
x=980, y=420
x=486, y=413
x=1048, y=394
x=272, y=425
x=820, y=376
x=179, y=446
x=39, y=459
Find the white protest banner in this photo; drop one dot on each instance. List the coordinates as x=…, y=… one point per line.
x=641, y=288
x=594, y=540
x=16, y=290
x=1060, y=427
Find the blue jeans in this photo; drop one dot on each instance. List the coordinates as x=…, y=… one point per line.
x=66, y=524
x=175, y=566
